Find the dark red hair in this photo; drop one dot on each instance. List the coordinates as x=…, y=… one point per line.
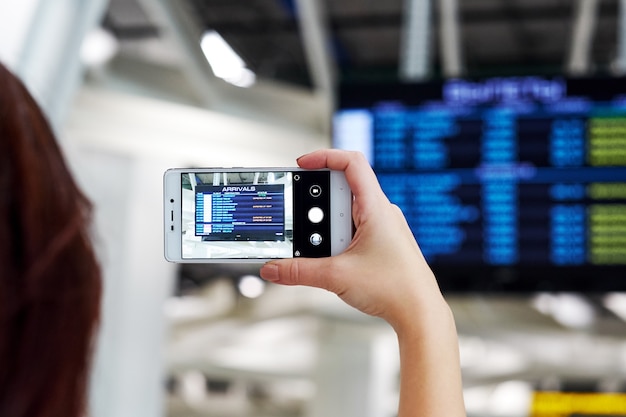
x=49, y=277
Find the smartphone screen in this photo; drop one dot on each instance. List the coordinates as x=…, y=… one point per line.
x=237, y=215
x=255, y=214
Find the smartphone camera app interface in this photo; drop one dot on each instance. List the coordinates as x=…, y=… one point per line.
x=237, y=215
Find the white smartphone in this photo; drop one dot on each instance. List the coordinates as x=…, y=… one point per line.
x=255, y=214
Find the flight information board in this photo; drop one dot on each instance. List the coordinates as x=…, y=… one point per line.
x=240, y=212
x=500, y=172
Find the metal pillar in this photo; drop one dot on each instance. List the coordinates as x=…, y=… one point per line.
x=314, y=32
x=579, y=61
x=450, y=43
x=620, y=60
x=415, y=42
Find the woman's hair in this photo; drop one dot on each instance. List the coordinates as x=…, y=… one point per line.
x=49, y=277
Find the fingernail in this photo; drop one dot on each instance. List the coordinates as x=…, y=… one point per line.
x=302, y=156
x=269, y=272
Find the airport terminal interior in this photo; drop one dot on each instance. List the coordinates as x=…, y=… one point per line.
x=498, y=126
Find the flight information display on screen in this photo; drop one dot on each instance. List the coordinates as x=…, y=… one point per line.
x=243, y=212
x=506, y=183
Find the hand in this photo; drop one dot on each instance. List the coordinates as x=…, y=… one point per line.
x=382, y=272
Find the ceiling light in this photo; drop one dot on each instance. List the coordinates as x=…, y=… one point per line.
x=251, y=286
x=98, y=48
x=224, y=61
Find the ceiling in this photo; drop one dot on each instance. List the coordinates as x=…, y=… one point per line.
x=363, y=39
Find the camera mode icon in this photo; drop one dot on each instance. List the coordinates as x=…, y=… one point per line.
x=315, y=239
x=315, y=190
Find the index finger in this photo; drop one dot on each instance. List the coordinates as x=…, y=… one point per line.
x=359, y=173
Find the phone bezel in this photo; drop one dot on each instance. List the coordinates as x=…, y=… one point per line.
x=340, y=212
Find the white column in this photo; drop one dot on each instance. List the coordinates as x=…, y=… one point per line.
x=46, y=50
x=128, y=377
x=15, y=21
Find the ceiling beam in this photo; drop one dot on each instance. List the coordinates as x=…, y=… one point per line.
x=392, y=19
x=313, y=20
x=184, y=34
x=265, y=101
x=313, y=27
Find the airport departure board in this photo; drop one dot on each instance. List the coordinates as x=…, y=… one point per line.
x=246, y=212
x=523, y=174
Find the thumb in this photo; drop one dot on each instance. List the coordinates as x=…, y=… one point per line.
x=312, y=272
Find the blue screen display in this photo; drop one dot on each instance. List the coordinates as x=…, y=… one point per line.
x=500, y=172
